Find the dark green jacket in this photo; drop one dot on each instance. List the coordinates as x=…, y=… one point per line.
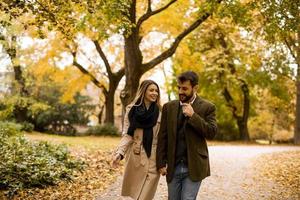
x=202, y=125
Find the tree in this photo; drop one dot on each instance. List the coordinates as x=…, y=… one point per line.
x=71, y=17
x=9, y=33
x=281, y=24
x=221, y=56
x=231, y=62
x=59, y=89
x=135, y=66
x=130, y=24
x=113, y=77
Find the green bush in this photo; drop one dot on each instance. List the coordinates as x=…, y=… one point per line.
x=9, y=129
x=26, y=164
x=26, y=126
x=227, y=131
x=103, y=130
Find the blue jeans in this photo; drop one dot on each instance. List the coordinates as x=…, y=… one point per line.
x=182, y=187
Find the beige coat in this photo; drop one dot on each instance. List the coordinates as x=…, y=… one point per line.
x=140, y=175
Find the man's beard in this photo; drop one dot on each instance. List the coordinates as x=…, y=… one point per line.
x=185, y=98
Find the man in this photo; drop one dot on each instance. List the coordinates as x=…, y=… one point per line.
x=182, y=153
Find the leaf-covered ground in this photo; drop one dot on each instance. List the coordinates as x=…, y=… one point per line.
x=283, y=169
x=241, y=172
x=95, y=152
x=86, y=185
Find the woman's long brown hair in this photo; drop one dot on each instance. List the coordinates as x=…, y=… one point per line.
x=139, y=98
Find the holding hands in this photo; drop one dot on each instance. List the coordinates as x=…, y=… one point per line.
x=163, y=171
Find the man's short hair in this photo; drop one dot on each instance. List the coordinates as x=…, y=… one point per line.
x=188, y=76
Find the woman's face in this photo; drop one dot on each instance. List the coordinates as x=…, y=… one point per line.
x=151, y=93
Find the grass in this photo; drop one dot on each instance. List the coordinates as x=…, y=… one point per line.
x=89, y=142
x=109, y=143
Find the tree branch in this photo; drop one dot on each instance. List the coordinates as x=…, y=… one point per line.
x=169, y=52
x=289, y=45
x=86, y=72
x=102, y=55
x=150, y=13
x=51, y=15
x=172, y=49
x=120, y=74
x=149, y=6
x=230, y=102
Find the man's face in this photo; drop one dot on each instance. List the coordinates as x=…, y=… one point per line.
x=186, y=91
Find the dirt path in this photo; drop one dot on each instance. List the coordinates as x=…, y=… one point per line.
x=234, y=176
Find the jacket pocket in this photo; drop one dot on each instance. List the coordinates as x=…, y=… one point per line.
x=203, y=153
x=136, y=147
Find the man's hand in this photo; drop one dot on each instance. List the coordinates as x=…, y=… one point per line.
x=187, y=110
x=116, y=161
x=163, y=171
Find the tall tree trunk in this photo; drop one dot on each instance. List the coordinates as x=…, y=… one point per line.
x=131, y=85
x=12, y=52
x=19, y=112
x=133, y=60
x=100, y=114
x=110, y=101
x=242, y=121
x=246, y=109
x=243, y=129
x=297, y=123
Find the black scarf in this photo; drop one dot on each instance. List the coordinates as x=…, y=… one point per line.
x=140, y=117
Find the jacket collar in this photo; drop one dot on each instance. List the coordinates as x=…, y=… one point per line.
x=176, y=106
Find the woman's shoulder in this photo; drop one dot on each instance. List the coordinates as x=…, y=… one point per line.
x=128, y=107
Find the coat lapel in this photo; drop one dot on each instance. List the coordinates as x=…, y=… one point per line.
x=196, y=104
x=174, y=111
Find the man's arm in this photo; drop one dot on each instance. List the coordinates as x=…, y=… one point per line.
x=207, y=125
x=162, y=143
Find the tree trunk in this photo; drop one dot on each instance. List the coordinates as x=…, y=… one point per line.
x=12, y=52
x=133, y=61
x=297, y=123
x=131, y=86
x=246, y=109
x=110, y=102
x=243, y=129
x=242, y=121
x=20, y=80
x=20, y=113
x=100, y=114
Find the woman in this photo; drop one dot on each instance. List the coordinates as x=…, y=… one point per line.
x=138, y=143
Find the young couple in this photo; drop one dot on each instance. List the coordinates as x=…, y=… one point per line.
x=170, y=141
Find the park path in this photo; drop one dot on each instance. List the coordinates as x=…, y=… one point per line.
x=233, y=176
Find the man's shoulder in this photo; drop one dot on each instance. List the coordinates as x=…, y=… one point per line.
x=171, y=103
x=206, y=102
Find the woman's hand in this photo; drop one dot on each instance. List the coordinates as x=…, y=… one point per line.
x=116, y=160
x=163, y=171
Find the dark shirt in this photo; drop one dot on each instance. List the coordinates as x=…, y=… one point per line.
x=181, y=148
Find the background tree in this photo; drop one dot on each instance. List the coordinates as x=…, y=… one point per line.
x=133, y=16
x=11, y=26
x=281, y=25
x=233, y=67
x=68, y=18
